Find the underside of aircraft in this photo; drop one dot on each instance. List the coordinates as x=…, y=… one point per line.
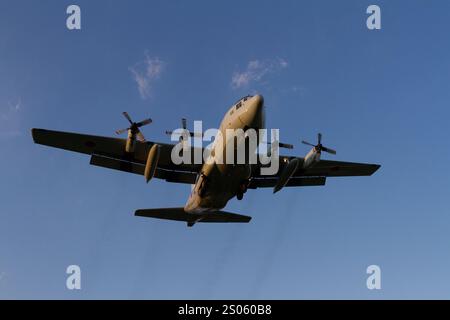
x=214, y=183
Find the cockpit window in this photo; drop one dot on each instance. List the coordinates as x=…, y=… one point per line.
x=244, y=99
x=239, y=105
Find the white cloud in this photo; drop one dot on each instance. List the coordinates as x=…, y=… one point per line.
x=145, y=73
x=299, y=90
x=255, y=71
x=283, y=63
x=10, y=118
x=11, y=109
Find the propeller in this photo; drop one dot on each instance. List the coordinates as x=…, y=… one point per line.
x=281, y=145
x=184, y=127
x=134, y=127
x=319, y=147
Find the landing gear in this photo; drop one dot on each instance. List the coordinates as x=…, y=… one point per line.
x=242, y=190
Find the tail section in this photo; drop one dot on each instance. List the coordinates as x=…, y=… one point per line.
x=178, y=214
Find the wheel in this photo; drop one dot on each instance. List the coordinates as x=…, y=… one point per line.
x=243, y=187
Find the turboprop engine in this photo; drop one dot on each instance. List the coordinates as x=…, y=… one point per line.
x=312, y=157
x=133, y=132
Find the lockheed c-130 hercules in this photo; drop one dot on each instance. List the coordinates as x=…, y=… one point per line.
x=213, y=183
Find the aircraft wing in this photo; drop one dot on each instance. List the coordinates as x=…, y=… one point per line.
x=314, y=175
x=271, y=181
x=328, y=168
x=110, y=153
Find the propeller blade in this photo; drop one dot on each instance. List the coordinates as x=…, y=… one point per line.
x=127, y=116
x=319, y=147
x=140, y=136
x=329, y=150
x=192, y=134
x=307, y=143
x=281, y=144
x=185, y=134
x=144, y=122
x=286, y=145
x=121, y=131
x=184, y=123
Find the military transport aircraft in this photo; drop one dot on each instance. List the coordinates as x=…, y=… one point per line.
x=213, y=183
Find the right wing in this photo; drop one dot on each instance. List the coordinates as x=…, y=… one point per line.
x=170, y=175
x=110, y=153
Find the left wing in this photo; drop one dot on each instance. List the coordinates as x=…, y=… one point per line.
x=271, y=181
x=110, y=153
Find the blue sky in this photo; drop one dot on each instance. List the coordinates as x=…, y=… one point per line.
x=377, y=96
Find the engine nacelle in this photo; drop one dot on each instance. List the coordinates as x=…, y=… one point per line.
x=152, y=162
x=287, y=173
x=129, y=146
x=312, y=157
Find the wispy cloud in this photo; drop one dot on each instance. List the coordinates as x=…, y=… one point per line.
x=9, y=118
x=255, y=71
x=145, y=73
x=12, y=108
x=300, y=90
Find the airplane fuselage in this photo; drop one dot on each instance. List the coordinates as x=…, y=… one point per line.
x=219, y=181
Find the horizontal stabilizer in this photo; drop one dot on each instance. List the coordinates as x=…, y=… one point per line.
x=179, y=214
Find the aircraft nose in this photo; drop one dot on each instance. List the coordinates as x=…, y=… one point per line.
x=254, y=115
x=258, y=100
x=257, y=110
